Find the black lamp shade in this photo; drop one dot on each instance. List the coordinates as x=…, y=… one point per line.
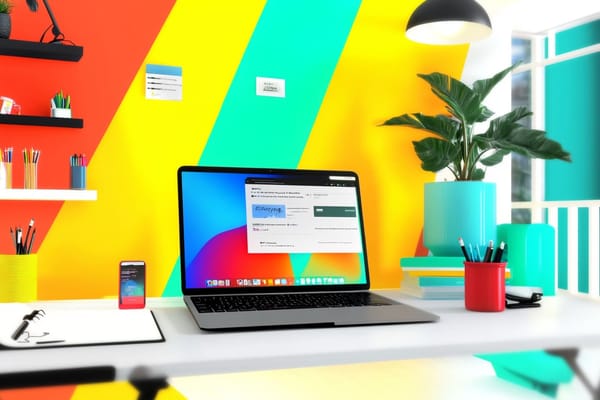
x=448, y=22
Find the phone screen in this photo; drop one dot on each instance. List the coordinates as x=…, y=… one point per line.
x=132, y=284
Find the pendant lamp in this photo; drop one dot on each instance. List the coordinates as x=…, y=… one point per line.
x=448, y=22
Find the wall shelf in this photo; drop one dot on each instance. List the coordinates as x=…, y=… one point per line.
x=40, y=121
x=48, y=194
x=50, y=51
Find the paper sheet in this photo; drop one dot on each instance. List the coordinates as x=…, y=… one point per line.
x=70, y=327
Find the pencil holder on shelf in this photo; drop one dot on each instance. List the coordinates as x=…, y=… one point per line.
x=78, y=177
x=18, y=277
x=30, y=176
x=3, y=183
x=8, y=171
x=6, y=168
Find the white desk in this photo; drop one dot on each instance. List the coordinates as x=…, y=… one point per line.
x=563, y=321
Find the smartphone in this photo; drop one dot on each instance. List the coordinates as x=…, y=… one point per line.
x=132, y=284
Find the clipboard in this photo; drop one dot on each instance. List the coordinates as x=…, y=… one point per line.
x=60, y=327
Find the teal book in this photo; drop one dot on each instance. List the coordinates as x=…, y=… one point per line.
x=440, y=280
x=432, y=262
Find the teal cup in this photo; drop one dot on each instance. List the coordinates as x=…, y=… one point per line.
x=530, y=255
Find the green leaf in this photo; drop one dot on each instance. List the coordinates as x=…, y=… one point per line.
x=477, y=175
x=436, y=154
x=504, y=133
x=462, y=101
x=440, y=125
x=484, y=86
x=495, y=158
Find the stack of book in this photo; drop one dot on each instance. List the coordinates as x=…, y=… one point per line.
x=431, y=277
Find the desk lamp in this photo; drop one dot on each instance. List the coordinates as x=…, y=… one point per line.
x=58, y=35
x=448, y=22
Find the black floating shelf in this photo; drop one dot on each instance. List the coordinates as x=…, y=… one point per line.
x=51, y=51
x=41, y=121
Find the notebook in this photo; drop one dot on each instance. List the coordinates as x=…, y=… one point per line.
x=276, y=248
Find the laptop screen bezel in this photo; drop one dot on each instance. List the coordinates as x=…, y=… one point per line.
x=267, y=289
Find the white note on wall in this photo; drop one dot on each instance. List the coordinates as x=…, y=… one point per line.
x=164, y=82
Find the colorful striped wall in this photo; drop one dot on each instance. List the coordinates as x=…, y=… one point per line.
x=347, y=66
x=572, y=118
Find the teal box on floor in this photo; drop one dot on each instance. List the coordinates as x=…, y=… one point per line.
x=530, y=255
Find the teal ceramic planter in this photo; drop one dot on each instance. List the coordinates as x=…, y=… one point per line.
x=456, y=209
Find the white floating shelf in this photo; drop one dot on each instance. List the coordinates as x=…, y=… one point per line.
x=48, y=194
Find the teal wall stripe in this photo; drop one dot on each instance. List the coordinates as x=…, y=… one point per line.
x=578, y=37
x=301, y=42
x=572, y=118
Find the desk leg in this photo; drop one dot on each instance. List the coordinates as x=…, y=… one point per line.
x=148, y=388
x=570, y=355
x=147, y=383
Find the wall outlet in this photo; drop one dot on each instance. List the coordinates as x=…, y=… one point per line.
x=272, y=87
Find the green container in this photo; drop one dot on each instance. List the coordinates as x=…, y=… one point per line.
x=530, y=255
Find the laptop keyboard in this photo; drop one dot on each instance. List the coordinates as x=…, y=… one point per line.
x=208, y=304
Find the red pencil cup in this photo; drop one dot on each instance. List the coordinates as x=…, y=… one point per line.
x=485, y=286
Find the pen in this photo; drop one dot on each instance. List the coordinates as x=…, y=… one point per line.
x=25, y=323
x=31, y=241
x=472, y=255
x=49, y=341
x=19, y=239
x=462, y=248
x=31, y=222
x=499, y=251
x=20, y=329
x=479, y=258
x=488, y=252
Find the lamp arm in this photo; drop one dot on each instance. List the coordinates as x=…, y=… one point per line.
x=55, y=29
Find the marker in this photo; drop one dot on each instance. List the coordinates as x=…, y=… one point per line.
x=488, y=252
x=499, y=251
x=464, y=251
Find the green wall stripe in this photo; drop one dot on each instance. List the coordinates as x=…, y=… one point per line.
x=301, y=42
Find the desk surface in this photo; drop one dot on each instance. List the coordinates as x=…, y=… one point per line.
x=564, y=320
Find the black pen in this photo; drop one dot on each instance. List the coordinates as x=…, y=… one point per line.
x=20, y=329
x=464, y=251
x=25, y=323
x=488, y=252
x=499, y=251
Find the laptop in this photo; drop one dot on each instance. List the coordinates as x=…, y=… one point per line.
x=277, y=248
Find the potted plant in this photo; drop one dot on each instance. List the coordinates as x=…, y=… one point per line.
x=5, y=27
x=455, y=145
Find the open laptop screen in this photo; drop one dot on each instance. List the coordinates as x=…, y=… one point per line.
x=266, y=229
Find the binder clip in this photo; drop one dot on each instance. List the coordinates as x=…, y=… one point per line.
x=523, y=296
